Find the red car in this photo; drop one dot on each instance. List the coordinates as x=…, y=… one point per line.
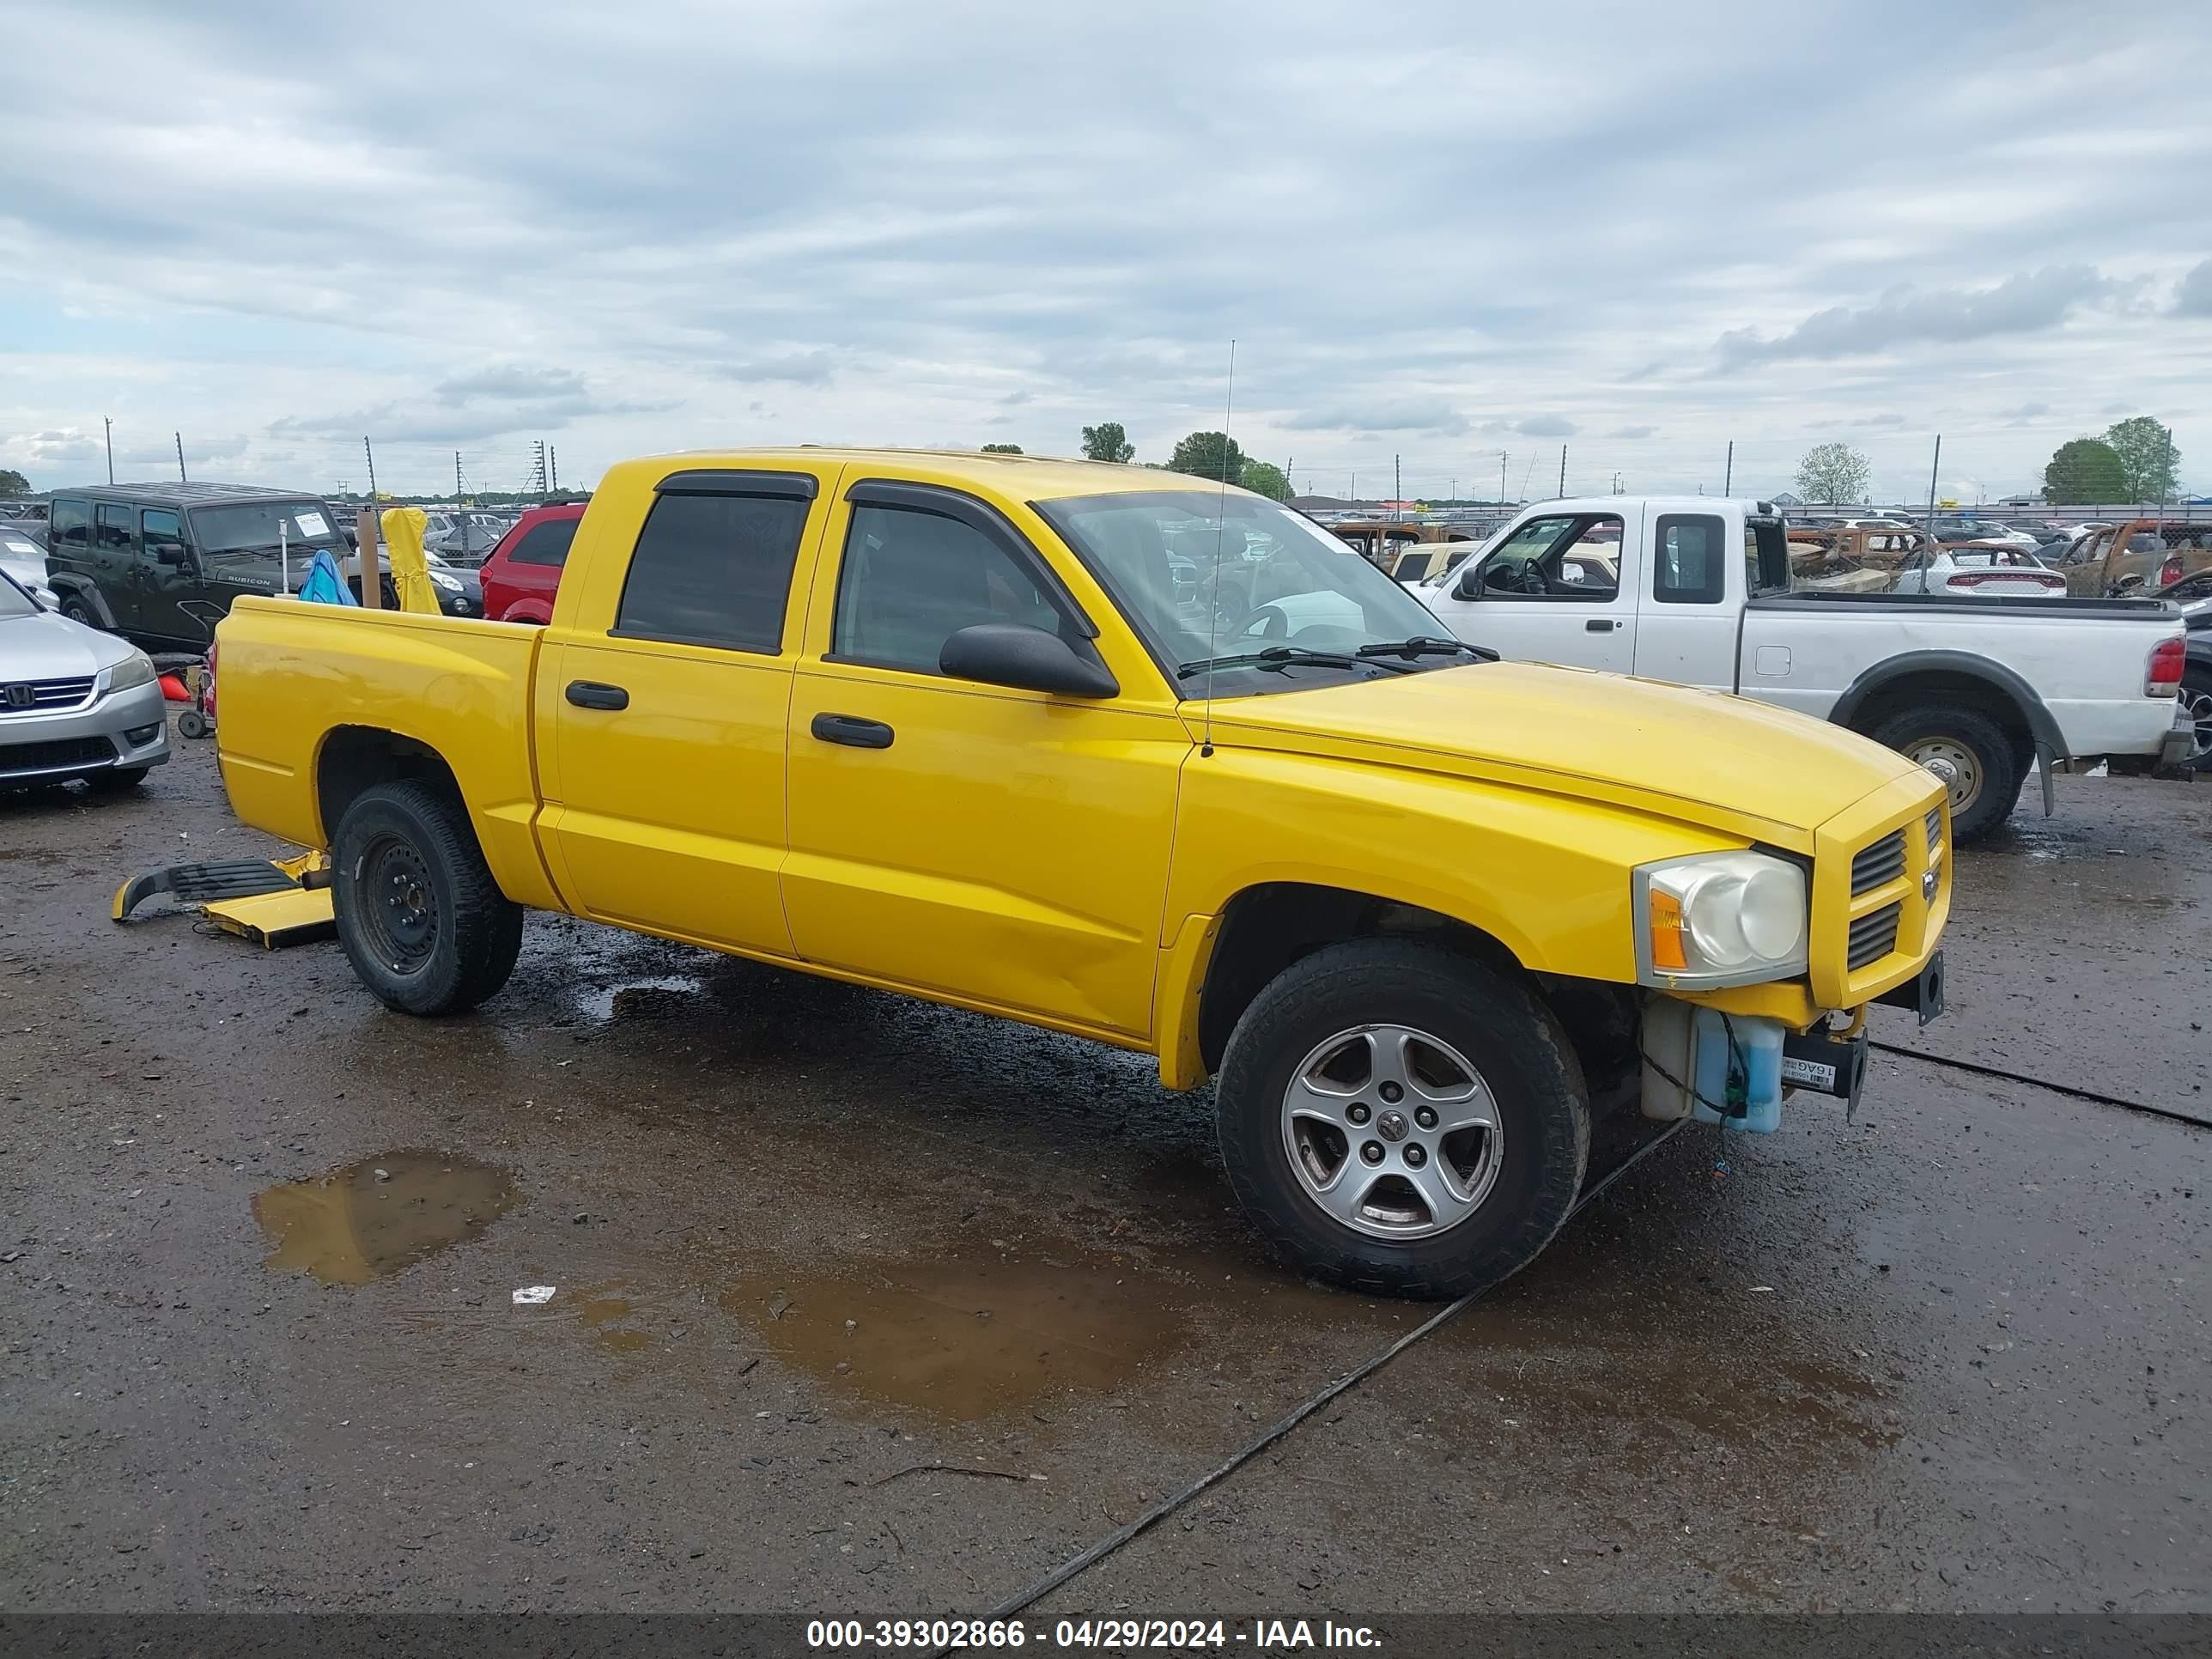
x=523, y=572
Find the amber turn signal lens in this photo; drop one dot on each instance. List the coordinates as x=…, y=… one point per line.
x=1667, y=932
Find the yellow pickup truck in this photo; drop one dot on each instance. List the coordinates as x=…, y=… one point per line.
x=958, y=726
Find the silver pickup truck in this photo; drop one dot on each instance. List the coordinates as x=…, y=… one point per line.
x=1697, y=590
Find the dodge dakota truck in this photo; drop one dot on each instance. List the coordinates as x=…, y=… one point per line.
x=961, y=726
x=1980, y=691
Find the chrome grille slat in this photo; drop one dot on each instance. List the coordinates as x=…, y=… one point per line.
x=1872, y=936
x=22, y=695
x=1884, y=861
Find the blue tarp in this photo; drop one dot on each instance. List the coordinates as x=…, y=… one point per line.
x=324, y=584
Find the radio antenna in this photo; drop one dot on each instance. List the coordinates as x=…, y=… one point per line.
x=1220, y=524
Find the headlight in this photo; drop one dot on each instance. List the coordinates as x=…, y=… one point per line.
x=451, y=584
x=134, y=671
x=1719, y=919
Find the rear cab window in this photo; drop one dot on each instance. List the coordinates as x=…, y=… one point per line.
x=1766, y=556
x=713, y=563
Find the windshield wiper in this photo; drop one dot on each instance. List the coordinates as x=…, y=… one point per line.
x=1279, y=657
x=1427, y=645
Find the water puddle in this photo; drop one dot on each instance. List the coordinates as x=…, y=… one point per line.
x=603, y=1316
x=660, y=996
x=370, y=1220
x=969, y=1339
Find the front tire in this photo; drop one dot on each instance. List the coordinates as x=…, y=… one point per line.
x=116, y=780
x=423, y=923
x=1398, y=1120
x=1970, y=753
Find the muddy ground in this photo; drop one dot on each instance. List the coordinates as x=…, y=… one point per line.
x=862, y=1305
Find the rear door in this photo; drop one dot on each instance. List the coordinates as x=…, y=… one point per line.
x=1551, y=591
x=115, y=558
x=665, y=705
x=1685, y=631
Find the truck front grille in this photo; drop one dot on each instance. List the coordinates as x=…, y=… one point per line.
x=1874, y=935
x=1881, y=863
x=1934, y=830
x=45, y=695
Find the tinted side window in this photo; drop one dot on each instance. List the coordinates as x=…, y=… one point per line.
x=713, y=570
x=910, y=581
x=547, y=543
x=69, y=526
x=1766, y=558
x=1687, y=566
x=111, y=534
x=158, y=524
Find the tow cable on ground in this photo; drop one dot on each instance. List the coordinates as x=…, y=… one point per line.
x=1243, y=1455
x=2068, y=1089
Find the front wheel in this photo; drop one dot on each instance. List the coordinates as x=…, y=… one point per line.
x=1400, y=1120
x=116, y=780
x=421, y=919
x=1971, y=755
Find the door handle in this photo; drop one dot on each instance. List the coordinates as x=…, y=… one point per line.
x=590, y=694
x=852, y=731
x=1599, y=625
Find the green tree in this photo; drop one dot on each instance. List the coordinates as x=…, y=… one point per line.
x=1107, y=442
x=2086, y=470
x=2149, y=460
x=1266, y=478
x=1831, y=473
x=13, y=483
x=1208, y=455
x=1002, y=449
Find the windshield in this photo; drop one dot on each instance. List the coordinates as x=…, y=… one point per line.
x=1279, y=579
x=14, y=601
x=256, y=526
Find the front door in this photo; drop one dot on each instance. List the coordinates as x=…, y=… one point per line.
x=993, y=846
x=170, y=593
x=1551, y=591
x=664, y=794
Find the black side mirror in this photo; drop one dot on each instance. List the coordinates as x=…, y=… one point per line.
x=1470, y=583
x=1026, y=658
x=171, y=553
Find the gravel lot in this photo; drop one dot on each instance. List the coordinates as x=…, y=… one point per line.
x=865, y=1306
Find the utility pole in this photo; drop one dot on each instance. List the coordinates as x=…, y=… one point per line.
x=110, y=425
x=1355, y=489
x=1397, y=487
x=1454, y=494
x=1934, y=467
x=1562, y=472
x=1501, y=477
x=371, y=454
x=1727, y=478
x=457, y=477
x=180, y=458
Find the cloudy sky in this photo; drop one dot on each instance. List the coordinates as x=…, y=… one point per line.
x=1444, y=233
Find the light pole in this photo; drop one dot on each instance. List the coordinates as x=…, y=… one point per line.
x=110, y=425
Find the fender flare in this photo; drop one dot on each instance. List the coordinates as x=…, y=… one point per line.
x=70, y=584
x=524, y=611
x=1995, y=675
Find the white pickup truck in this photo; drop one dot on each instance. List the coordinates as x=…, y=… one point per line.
x=1697, y=590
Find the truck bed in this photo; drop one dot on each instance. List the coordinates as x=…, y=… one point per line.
x=460, y=688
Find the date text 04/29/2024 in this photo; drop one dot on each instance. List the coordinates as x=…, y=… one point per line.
x=1258, y=1635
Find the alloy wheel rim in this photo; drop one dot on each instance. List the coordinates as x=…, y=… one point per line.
x=2196, y=706
x=1392, y=1131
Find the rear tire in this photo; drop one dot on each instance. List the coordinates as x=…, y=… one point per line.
x=2196, y=700
x=1970, y=753
x=1460, y=1014
x=423, y=923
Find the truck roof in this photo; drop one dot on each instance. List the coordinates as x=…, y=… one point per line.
x=1664, y=503
x=185, y=495
x=1036, y=477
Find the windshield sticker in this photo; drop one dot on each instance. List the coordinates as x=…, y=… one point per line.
x=312, y=523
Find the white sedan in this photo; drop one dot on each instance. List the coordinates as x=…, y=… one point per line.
x=1983, y=570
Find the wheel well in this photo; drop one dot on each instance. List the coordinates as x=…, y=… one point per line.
x=1266, y=929
x=1948, y=690
x=354, y=759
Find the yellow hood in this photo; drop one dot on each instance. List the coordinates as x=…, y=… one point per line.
x=1701, y=757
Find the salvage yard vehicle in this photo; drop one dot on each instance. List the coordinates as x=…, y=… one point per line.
x=161, y=563
x=523, y=572
x=1997, y=568
x=26, y=561
x=1979, y=690
x=74, y=702
x=2138, y=555
x=942, y=724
